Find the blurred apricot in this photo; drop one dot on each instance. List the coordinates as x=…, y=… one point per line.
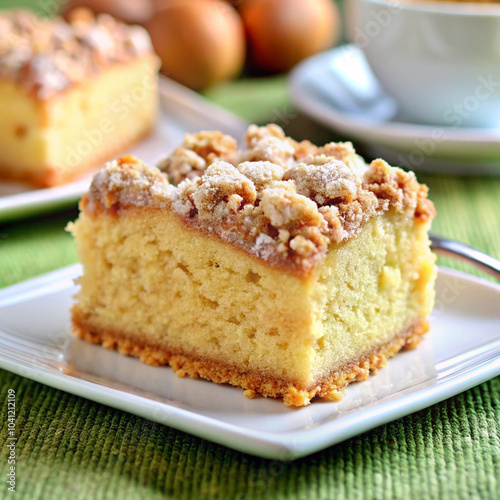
x=283, y=32
x=200, y=42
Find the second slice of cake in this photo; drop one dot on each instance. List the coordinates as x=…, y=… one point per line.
x=283, y=268
x=72, y=95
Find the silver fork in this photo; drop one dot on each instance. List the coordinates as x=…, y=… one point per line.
x=466, y=253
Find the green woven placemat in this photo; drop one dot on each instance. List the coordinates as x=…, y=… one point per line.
x=72, y=448
x=69, y=447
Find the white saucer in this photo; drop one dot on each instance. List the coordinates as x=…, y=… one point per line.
x=461, y=350
x=338, y=89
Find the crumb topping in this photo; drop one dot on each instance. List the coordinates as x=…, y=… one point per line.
x=399, y=189
x=324, y=180
x=50, y=55
x=128, y=181
x=261, y=173
x=280, y=200
x=221, y=190
x=196, y=153
x=268, y=144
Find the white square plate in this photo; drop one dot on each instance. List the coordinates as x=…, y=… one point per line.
x=181, y=111
x=462, y=350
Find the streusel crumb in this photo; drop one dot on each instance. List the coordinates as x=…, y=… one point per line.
x=128, y=181
x=268, y=144
x=221, y=189
x=399, y=189
x=278, y=199
x=196, y=153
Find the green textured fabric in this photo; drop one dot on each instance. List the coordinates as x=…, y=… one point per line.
x=72, y=448
x=69, y=447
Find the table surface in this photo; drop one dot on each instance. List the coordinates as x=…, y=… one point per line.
x=69, y=447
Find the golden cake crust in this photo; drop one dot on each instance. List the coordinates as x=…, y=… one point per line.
x=282, y=201
x=329, y=387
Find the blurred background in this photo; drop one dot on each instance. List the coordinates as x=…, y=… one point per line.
x=226, y=49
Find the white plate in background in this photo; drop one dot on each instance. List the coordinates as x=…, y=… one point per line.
x=461, y=351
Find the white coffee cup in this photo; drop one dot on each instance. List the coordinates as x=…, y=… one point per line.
x=440, y=60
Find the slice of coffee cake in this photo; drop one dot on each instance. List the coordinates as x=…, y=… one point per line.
x=283, y=268
x=72, y=95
